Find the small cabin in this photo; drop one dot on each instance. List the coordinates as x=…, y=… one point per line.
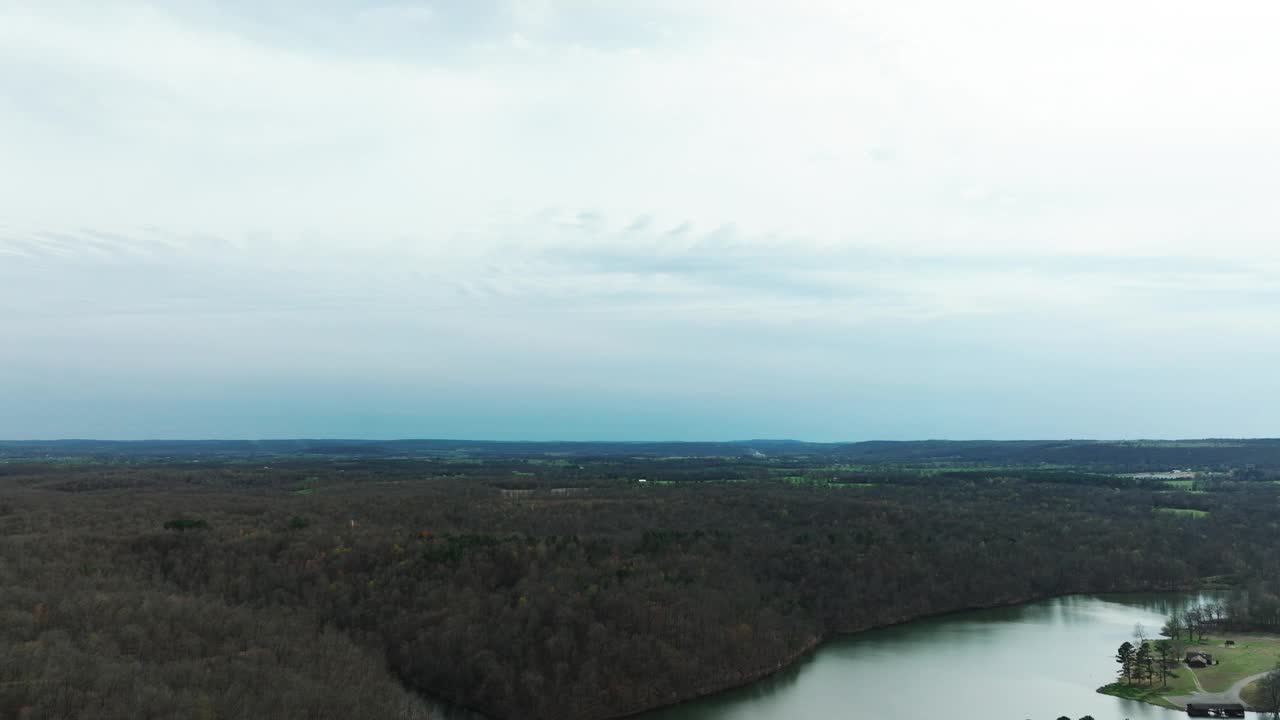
x=1199, y=660
x=1230, y=643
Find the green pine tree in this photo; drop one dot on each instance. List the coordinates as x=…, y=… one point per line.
x=1142, y=663
x=1124, y=656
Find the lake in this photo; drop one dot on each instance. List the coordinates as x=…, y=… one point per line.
x=1038, y=661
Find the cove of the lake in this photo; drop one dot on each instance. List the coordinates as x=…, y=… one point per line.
x=1035, y=661
x=1040, y=660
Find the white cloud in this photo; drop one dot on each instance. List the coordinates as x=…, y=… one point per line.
x=1004, y=123
x=639, y=196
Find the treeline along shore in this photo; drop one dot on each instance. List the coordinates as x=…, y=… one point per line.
x=292, y=583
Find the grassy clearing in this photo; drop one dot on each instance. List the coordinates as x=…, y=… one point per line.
x=828, y=484
x=819, y=481
x=1153, y=695
x=1177, y=443
x=1251, y=655
x=1184, y=512
x=1252, y=694
x=556, y=462
x=1179, y=484
x=1182, y=683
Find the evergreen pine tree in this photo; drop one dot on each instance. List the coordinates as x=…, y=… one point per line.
x=1142, y=663
x=1124, y=656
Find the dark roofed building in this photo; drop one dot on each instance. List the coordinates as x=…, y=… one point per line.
x=1198, y=659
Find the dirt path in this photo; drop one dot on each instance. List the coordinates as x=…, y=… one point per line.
x=1231, y=695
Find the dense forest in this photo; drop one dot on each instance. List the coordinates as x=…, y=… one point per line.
x=337, y=580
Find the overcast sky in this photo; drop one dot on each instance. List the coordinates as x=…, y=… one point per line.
x=661, y=219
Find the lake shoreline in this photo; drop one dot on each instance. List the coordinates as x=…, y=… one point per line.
x=810, y=647
x=802, y=655
x=1226, y=680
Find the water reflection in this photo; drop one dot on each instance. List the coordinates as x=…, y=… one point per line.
x=1039, y=661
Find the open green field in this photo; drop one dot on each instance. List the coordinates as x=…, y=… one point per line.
x=1184, y=512
x=1251, y=655
x=1252, y=694
x=1182, y=444
x=1152, y=695
x=1183, y=682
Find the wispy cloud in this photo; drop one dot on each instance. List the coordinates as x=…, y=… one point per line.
x=826, y=220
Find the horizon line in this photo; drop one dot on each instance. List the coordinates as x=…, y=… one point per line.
x=631, y=441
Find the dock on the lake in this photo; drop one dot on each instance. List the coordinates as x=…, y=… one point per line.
x=1231, y=710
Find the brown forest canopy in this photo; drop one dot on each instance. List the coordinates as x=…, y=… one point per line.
x=212, y=582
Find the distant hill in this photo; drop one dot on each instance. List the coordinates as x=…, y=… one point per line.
x=471, y=448
x=1114, y=456
x=1118, y=455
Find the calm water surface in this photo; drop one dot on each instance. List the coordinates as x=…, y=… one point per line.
x=1038, y=661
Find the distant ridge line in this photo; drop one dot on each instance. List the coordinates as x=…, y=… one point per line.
x=1219, y=454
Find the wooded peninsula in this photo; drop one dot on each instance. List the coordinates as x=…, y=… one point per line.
x=575, y=581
